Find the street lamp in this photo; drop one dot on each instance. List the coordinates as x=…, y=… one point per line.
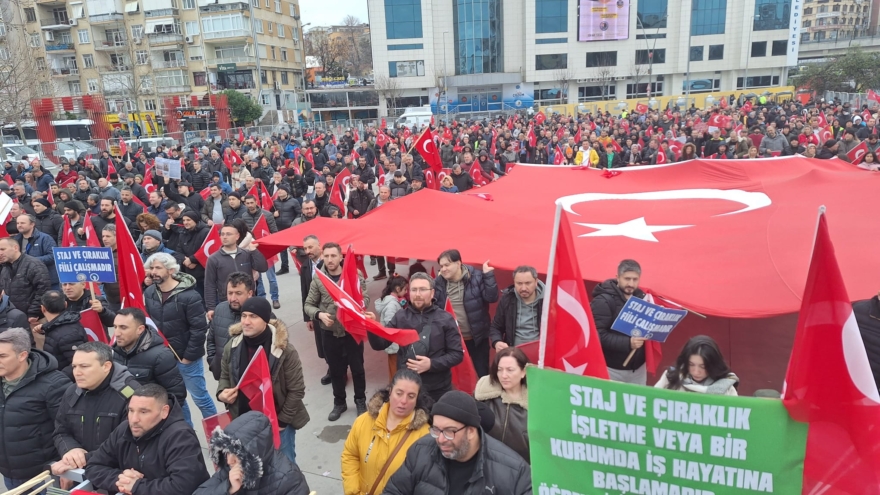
x=753, y=18
x=445, y=77
x=650, y=49
x=302, y=69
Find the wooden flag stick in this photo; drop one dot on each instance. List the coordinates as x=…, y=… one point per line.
x=631, y=354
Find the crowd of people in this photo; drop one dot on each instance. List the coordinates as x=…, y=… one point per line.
x=120, y=410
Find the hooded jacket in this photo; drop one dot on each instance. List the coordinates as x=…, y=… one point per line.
x=498, y=470
x=63, y=334
x=218, y=335
x=266, y=471
x=27, y=416
x=319, y=301
x=50, y=222
x=370, y=443
x=511, y=415
x=480, y=290
x=10, y=316
x=181, y=317
x=25, y=281
x=189, y=243
x=288, y=210
x=221, y=264
x=288, y=385
x=503, y=328
x=607, y=302
x=868, y=318
x=169, y=456
x=149, y=361
x=41, y=248
x=225, y=188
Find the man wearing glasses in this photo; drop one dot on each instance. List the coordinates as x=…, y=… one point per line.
x=459, y=457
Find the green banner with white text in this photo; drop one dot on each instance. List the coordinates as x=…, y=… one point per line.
x=590, y=436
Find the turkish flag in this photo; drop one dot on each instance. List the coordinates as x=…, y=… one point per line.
x=533, y=139
x=110, y=170
x=210, y=246
x=240, y=135
x=380, y=180
x=336, y=195
x=675, y=148
x=443, y=173
x=355, y=135
x=464, y=375
x=256, y=385
x=381, y=140
x=477, y=175
x=406, y=133
x=204, y=193
x=873, y=96
x=508, y=167
x=560, y=132
x=350, y=281
x=641, y=108
x=131, y=271
x=91, y=322
x=148, y=183
x=309, y=156
x=829, y=384
x=447, y=134
x=716, y=120
x=510, y=123
x=385, y=125
x=856, y=154
x=558, y=156
x=68, y=239
x=577, y=137
x=261, y=229
x=354, y=157
x=661, y=157
x=428, y=151
x=572, y=343
x=540, y=118
x=141, y=203
x=825, y=134
x=355, y=321
x=123, y=148
x=92, y=237
x=266, y=199
x=724, y=103
x=821, y=120
x=430, y=181
x=747, y=107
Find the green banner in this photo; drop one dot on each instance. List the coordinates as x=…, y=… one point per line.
x=591, y=436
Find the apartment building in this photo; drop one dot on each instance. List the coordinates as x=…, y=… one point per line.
x=837, y=19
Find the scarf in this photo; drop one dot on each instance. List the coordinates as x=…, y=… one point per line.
x=252, y=344
x=710, y=386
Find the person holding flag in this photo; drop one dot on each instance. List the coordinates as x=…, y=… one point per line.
x=258, y=329
x=256, y=217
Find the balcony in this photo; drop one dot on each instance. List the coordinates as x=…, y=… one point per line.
x=160, y=13
x=105, y=18
x=244, y=59
x=110, y=45
x=52, y=3
x=104, y=69
x=66, y=72
x=225, y=7
x=165, y=38
x=165, y=90
x=169, y=64
x=59, y=47
x=56, y=24
x=238, y=85
x=232, y=33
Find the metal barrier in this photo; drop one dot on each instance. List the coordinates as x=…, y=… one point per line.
x=856, y=100
x=52, y=153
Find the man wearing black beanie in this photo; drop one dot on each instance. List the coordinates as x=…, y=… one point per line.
x=258, y=329
x=458, y=457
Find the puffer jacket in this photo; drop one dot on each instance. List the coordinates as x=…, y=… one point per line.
x=50, y=222
x=868, y=318
x=503, y=327
x=265, y=471
x=181, y=317
x=288, y=385
x=87, y=417
x=25, y=281
x=462, y=181
x=608, y=300
x=208, y=210
x=319, y=301
x=149, y=361
x=499, y=470
x=188, y=244
x=288, y=211
x=41, y=248
x=85, y=302
x=359, y=200
x=63, y=334
x=169, y=457
x=218, y=335
x=511, y=415
x=370, y=443
x=398, y=190
x=10, y=316
x=480, y=290
x=28, y=418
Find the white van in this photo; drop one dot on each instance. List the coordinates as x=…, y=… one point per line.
x=416, y=116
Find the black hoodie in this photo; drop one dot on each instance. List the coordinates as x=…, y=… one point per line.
x=63, y=334
x=608, y=301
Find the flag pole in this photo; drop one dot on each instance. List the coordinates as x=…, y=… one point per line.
x=551, y=266
x=416, y=140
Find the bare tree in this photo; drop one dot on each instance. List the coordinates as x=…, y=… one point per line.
x=390, y=89
x=130, y=75
x=637, y=72
x=564, y=76
x=329, y=52
x=353, y=29
x=605, y=74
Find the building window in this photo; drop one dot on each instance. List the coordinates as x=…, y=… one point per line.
x=478, y=39
x=284, y=54
x=285, y=79
x=141, y=56
x=645, y=57
x=83, y=35
x=696, y=54
x=551, y=62
x=277, y=6
x=596, y=93
x=264, y=77
x=34, y=40
x=808, y=11
x=807, y=23
x=292, y=10
x=261, y=51
x=75, y=88
x=651, y=14
x=137, y=31
x=92, y=85
x=280, y=30
x=409, y=68
x=708, y=17
x=772, y=14
x=780, y=47
x=189, y=4
x=551, y=16
x=30, y=14
x=255, y=3
x=150, y=105
x=259, y=26
x=759, y=49
x=716, y=52
x=199, y=79
x=403, y=19
x=602, y=59
x=265, y=98
x=273, y=51
x=294, y=33
x=270, y=23
x=41, y=63
x=641, y=90
x=701, y=85
x=758, y=81
x=192, y=27
x=805, y=37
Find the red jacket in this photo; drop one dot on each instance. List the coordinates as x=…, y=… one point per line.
x=62, y=176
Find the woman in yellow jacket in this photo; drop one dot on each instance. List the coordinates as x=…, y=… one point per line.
x=396, y=416
x=587, y=157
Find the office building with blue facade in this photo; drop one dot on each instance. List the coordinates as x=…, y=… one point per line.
x=484, y=55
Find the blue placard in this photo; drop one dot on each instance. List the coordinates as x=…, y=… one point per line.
x=85, y=264
x=639, y=318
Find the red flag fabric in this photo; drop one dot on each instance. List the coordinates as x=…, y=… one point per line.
x=821, y=120
x=661, y=157
x=443, y=173
x=148, y=183
x=873, y=96
x=92, y=237
x=430, y=180
x=571, y=341
x=716, y=120
x=8, y=179
x=829, y=383
x=110, y=170
x=68, y=239
x=477, y=175
x=380, y=180
x=355, y=135
x=91, y=322
x=560, y=132
x=447, y=134
x=428, y=150
x=510, y=123
x=309, y=156
x=675, y=148
x=747, y=107
x=240, y=135
x=350, y=281
x=616, y=146
x=464, y=375
x=139, y=203
x=204, y=193
x=336, y=195
x=825, y=134
x=385, y=125
x=508, y=167
x=355, y=321
x=558, y=157
x=64, y=184
x=381, y=140
x=653, y=351
x=856, y=154
x=641, y=108
x=123, y=147
x=210, y=246
x=256, y=385
x=261, y=229
x=577, y=137
x=265, y=199
x=540, y=118
x=407, y=133
x=130, y=273
x=533, y=139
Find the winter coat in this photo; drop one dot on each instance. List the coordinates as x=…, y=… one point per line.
x=775, y=143
x=359, y=200
x=181, y=317
x=225, y=188
x=480, y=290
x=319, y=301
x=462, y=181
x=511, y=415
x=208, y=210
x=188, y=244
x=169, y=456
x=845, y=147
x=288, y=211
x=366, y=173
x=194, y=201
x=149, y=361
x=868, y=318
x=88, y=417
x=503, y=328
x=398, y=190
x=211, y=164
x=218, y=335
x=499, y=470
x=200, y=179
x=607, y=302
x=10, y=316
x=85, y=302
x=63, y=334
x=266, y=471
x=25, y=281
x=251, y=219
x=370, y=443
x=288, y=385
x=27, y=417
x=50, y=222
x=221, y=264
x=824, y=154
x=700, y=389
x=130, y=211
x=41, y=248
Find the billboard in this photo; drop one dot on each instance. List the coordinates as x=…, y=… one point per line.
x=603, y=20
x=482, y=98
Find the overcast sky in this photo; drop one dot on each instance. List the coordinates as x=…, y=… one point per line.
x=330, y=12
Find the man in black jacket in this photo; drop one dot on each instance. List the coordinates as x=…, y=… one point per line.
x=79, y=299
x=360, y=198
x=10, y=316
x=228, y=259
x=32, y=388
x=459, y=457
x=287, y=210
x=175, y=306
x=868, y=318
x=142, y=350
x=62, y=329
x=609, y=297
x=189, y=243
x=251, y=217
x=23, y=278
x=154, y=451
x=518, y=316
x=239, y=288
x=92, y=407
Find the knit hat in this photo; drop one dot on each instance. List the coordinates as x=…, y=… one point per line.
x=259, y=306
x=43, y=201
x=154, y=234
x=75, y=205
x=455, y=405
x=234, y=194
x=830, y=143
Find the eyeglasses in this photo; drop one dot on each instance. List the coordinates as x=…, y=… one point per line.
x=448, y=433
x=419, y=289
